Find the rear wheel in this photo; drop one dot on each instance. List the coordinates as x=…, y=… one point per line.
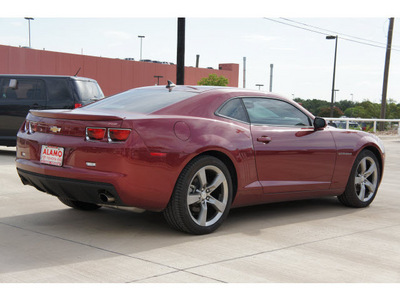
x=79, y=204
x=363, y=183
x=202, y=197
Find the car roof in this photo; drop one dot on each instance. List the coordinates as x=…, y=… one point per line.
x=46, y=76
x=222, y=89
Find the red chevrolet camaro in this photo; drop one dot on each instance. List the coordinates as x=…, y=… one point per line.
x=193, y=153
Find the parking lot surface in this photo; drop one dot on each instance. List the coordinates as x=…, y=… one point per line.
x=316, y=240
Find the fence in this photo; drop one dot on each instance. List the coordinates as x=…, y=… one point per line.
x=360, y=120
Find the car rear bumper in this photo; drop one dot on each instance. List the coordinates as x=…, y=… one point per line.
x=77, y=190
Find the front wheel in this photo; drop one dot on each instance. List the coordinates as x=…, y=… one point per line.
x=202, y=197
x=364, y=181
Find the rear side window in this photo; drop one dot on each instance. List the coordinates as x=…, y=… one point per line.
x=23, y=89
x=234, y=109
x=142, y=100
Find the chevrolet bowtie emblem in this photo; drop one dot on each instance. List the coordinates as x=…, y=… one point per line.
x=55, y=129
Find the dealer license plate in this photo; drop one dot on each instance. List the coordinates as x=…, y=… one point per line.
x=52, y=155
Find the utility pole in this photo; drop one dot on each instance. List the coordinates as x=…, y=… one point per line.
x=331, y=37
x=180, y=56
x=244, y=72
x=386, y=72
x=271, y=76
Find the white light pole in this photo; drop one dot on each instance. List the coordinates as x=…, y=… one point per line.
x=29, y=25
x=141, y=37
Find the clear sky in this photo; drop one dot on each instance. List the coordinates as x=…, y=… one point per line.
x=302, y=59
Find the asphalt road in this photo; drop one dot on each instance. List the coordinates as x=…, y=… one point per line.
x=41, y=240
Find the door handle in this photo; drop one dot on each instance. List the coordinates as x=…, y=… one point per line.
x=264, y=139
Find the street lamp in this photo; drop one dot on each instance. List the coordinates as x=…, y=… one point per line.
x=332, y=37
x=259, y=85
x=158, y=78
x=29, y=25
x=335, y=94
x=141, y=37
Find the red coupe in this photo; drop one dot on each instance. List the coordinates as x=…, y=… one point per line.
x=193, y=153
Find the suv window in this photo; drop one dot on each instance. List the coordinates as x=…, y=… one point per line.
x=274, y=112
x=58, y=90
x=234, y=109
x=88, y=90
x=23, y=89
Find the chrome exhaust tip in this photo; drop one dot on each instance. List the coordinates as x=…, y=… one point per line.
x=106, y=197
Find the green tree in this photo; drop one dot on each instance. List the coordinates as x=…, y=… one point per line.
x=214, y=80
x=356, y=112
x=345, y=104
x=313, y=106
x=325, y=111
x=372, y=110
x=392, y=110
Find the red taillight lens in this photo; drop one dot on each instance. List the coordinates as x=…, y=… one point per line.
x=118, y=135
x=95, y=133
x=77, y=105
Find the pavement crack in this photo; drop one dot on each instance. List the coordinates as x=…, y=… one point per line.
x=288, y=247
x=88, y=245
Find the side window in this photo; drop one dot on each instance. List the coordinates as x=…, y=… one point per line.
x=274, y=112
x=234, y=109
x=58, y=90
x=23, y=89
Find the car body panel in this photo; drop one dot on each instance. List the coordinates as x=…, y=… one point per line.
x=298, y=163
x=294, y=160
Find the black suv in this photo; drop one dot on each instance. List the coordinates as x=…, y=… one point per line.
x=20, y=93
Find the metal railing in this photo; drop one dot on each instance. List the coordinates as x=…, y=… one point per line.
x=358, y=120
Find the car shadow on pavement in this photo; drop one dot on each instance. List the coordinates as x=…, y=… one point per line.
x=252, y=219
x=8, y=152
x=114, y=232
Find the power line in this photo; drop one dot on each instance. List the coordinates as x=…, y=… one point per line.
x=335, y=32
x=327, y=32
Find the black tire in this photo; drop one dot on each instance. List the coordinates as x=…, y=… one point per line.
x=363, y=182
x=202, y=197
x=79, y=204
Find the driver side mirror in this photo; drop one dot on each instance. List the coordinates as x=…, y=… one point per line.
x=319, y=123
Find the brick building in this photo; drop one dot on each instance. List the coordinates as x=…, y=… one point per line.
x=113, y=75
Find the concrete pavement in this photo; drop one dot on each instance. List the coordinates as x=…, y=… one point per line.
x=42, y=240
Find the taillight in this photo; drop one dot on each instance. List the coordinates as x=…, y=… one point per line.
x=30, y=127
x=77, y=105
x=26, y=127
x=118, y=135
x=95, y=133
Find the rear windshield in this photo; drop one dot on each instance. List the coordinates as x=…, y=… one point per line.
x=143, y=100
x=88, y=90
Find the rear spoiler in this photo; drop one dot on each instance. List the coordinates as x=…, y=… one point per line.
x=74, y=115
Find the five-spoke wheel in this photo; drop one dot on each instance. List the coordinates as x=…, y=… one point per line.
x=363, y=182
x=202, y=196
